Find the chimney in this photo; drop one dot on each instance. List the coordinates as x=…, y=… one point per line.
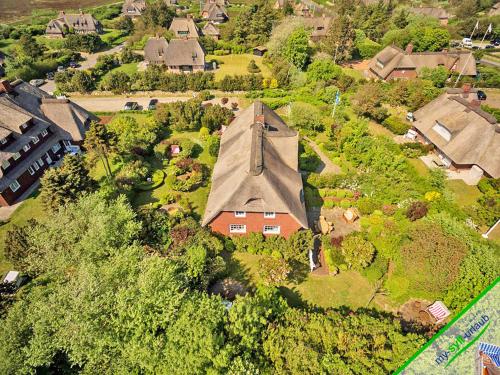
x=409, y=48
x=260, y=118
x=5, y=86
x=189, y=16
x=466, y=88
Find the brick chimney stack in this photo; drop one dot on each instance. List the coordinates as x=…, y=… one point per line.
x=259, y=118
x=466, y=88
x=5, y=86
x=409, y=48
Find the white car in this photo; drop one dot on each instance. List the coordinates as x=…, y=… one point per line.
x=37, y=82
x=467, y=42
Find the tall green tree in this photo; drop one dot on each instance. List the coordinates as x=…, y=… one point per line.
x=339, y=42
x=99, y=142
x=296, y=49
x=66, y=183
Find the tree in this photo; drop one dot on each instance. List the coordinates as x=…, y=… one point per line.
x=82, y=82
x=65, y=184
x=369, y=102
x=296, y=49
x=253, y=67
x=125, y=23
x=358, y=252
x=99, y=142
x=116, y=82
x=17, y=244
x=306, y=116
x=323, y=70
x=158, y=14
x=437, y=75
x=29, y=47
x=215, y=116
x=83, y=42
x=213, y=144
x=401, y=19
x=132, y=136
x=339, y=42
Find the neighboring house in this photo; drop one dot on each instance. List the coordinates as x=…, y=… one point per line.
x=214, y=11
x=211, y=30
x=438, y=13
x=495, y=10
x=394, y=63
x=185, y=56
x=36, y=130
x=464, y=136
x=184, y=28
x=303, y=10
x=133, y=8
x=82, y=23
x=320, y=26
x=256, y=184
x=154, y=50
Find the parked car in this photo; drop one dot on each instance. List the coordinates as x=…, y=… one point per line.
x=481, y=95
x=475, y=47
x=152, y=104
x=467, y=42
x=488, y=46
x=495, y=42
x=50, y=76
x=37, y=82
x=131, y=106
x=61, y=68
x=73, y=64
x=454, y=44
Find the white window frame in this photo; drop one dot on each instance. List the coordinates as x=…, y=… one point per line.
x=271, y=229
x=26, y=147
x=3, y=141
x=237, y=228
x=31, y=170
x=16, y=156
x=14, y=186
x=35, y=139
x=240, y=214
x=24, y=126
x=5, y=164
x=40, y=162
x=56, y=147
x=67, y=143
x=269, y=215
x=44, y=132
x=36, y=166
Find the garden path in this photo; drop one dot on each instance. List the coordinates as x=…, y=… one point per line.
x=327, y=166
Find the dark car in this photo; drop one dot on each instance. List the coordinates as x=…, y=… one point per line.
x=488, y=46
x=73, y=64
x=131, y=106
x=50, y=76
x=152, y=104
x=495, y=42
x=481, y=95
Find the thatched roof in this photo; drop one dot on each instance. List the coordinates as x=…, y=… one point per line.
x=394, y=58
x=184, y=52
x=433, y=12
x=82, y=22
x=257, y=168
x=155, y=49
x=133, y=7
x=474, y=134
x=211, y=29
x=184, y=28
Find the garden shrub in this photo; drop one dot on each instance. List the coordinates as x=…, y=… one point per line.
x=344, y=203
x=329, y=203
x=156, y=181
x=415, y=149
x=417, y=210
x=377, y=269
x=396, y=125
x=367, y=205
x=357, y=251
x=252, y=67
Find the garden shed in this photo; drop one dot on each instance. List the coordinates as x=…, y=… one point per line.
x=259, y=51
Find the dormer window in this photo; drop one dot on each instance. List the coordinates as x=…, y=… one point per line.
x=3, y=141
x=5, y=164
x=15, y=186
x=240, y=214
x=36, y=139
x=442, y=131
x=24, y=126
x=26, y=147
x=44, y=132
x=269, y=215
x=16, y=156
x=380, y=64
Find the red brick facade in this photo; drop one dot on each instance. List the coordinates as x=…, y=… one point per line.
x=402, y=74
x=254, y=222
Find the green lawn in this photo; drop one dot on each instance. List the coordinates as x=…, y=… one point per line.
x=113, y=37
x=420, y=167
x=237, y=64
x=354, y=73
x=129, y=68
x=465, y=195
x=31, y=208
x=347, y=288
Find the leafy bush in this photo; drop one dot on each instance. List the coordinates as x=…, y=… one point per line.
x=252, y=67
x=417, y=210
x=396, y=125
x=358, y=252
x=414, y=149
x=367, y=205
